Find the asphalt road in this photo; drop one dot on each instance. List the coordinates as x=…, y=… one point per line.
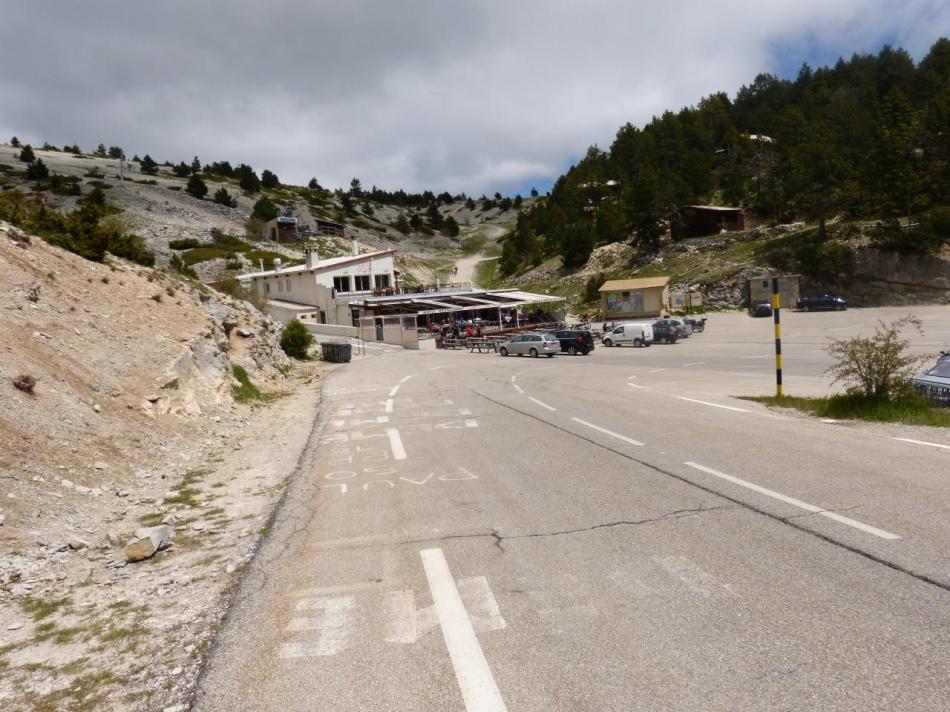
x=609, y=532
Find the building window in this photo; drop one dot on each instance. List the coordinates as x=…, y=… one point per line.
x=280, y=286
x=382, y=281
x=765, y=283
x=362, y=282
x=266, y=288
x=341, y=284
x=288, y=284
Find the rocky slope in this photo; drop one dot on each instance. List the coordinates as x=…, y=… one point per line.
x=117, y=412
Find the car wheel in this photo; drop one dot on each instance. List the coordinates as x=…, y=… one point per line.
x=572, y=350
x=503, y=351
x=637, y=343
x=608, y=343
x=550, y=355
x=585, y=352
x=534, y=353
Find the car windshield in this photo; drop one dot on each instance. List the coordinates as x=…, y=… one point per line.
x=942, y=369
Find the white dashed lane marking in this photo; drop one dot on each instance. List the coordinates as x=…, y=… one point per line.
x=923, y=442
x=542, y=404
x=795, y=502
x=611, y=433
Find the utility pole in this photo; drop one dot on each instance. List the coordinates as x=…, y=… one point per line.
x=776, y=313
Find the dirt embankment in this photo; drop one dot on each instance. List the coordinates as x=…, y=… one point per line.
x=116, y=414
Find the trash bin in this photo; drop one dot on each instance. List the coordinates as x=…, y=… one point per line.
x=336, y=352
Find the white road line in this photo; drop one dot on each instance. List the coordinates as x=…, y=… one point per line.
x=389, y=406
x=714, y=405
x=403, y=380
x=744, y=358
x=448, y=365
x=630, y=378
x=695, y=363
x=608, y=432
x=634, y=385
x=475, y=679
x=795, y=502
x=394, y=391
x=542, y=404
x=395, y=442
x=657, y=370
x=518, y=388
x=923, y=442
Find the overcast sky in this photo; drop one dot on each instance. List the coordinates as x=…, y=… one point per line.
x=463, y=95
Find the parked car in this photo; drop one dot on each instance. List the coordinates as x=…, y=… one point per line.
x=666, y=331
x=685, y=327
x=636, y=333
x=576, y=341
x=814, y=302
x=531, y=344
x=761, y=309
x=934, y=385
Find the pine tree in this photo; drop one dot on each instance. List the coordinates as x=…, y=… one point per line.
x=182, y=170
x=356, y=190
x=101, y=150
x=534, y=192
x=195, y=165
x=116, y=152
x=434, y=216
x=470, y=204
x=15, y=142
x=27, y=155
x=197, y=187
x=269, y=180
x=248, y=179
x=450, y=227
x=264, y=209
x=148, y=166
x=402, y=225
x=313, y=185
x=223, y=197
x=415, y=222
x=37, y=170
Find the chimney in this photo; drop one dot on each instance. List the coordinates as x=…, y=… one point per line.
x=277, y=264
x=356, y=247
x=313, y=257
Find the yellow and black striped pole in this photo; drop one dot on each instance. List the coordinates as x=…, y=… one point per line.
x=776, y=313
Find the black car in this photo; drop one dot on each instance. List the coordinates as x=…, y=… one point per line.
x=666, y=331
x=761, y=309
x=934, y=385
x=814, y=302
x=576, y=341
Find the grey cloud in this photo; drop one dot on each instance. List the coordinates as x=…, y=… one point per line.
x=468, y=95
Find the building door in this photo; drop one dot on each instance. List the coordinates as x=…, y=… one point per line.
x=379, y=328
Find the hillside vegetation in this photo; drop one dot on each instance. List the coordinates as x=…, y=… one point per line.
x=864, y=139
x=207, y=219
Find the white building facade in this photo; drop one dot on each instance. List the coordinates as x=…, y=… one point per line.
x=320, y=290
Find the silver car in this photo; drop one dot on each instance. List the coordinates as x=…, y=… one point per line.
x=531, y=344
x=934, y=385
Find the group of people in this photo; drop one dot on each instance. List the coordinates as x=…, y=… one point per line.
x=457, y=329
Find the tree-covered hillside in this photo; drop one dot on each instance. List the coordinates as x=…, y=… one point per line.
x=869, y=137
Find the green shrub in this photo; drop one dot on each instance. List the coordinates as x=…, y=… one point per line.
x=246, y=390
x=295, y=339
x=184, y=244
x=877, y=366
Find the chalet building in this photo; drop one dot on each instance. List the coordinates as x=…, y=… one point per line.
x=760, y=290
x=635, y=298
x=703, y=220
x=283, y=229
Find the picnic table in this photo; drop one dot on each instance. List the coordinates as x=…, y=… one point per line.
x=480, y=342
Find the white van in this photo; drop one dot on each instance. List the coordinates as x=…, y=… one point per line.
x=636, y=333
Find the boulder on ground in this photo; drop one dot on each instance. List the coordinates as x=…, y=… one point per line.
x=148, y=541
